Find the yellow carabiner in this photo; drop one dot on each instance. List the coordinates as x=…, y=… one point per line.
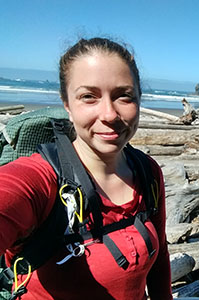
x=80, y=215
x=15, y=274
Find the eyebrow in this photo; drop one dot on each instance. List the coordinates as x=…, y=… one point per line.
x=85, y=87
x=123, y=87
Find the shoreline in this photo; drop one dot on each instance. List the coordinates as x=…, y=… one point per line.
x=32, y=106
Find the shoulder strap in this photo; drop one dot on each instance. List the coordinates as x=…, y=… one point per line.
x=6, y=275
x=139, y=161
x=143, y=167
x=70, y=167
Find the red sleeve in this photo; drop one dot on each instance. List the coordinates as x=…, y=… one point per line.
x=27, y=193
x=159, y=277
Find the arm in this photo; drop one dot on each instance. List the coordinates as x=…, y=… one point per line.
x=159, y=277
x=26, y=187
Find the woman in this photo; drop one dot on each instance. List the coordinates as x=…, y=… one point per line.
x=100, y=89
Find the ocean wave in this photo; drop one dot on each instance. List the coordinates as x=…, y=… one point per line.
x=153, y=97
x=9, y=89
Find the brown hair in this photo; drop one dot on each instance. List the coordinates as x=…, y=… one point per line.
x=84, y=47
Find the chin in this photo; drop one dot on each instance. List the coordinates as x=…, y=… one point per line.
x=108, y=149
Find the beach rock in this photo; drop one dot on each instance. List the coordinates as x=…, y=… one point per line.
x=190, y=249
x=197, y=89
x=181, y=265
x=190, y=290
x=187, y=298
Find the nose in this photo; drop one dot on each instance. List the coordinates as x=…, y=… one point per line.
x=108, y=112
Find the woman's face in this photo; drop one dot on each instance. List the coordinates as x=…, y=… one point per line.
x=103, y=102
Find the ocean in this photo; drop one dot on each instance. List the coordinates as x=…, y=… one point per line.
x=37, y=92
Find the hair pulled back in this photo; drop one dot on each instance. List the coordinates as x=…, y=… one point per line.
x=87, y=46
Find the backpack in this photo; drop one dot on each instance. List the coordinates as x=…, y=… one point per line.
x=46, y=131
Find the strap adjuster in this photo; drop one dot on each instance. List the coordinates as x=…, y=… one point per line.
x=8, y=274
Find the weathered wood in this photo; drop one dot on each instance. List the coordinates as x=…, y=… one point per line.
x=162, y=150
x=181, y=265
x=159, y=114
x=169, y=137
x=161, y=125
x=181, y=202
x=178, y=233
x=191, y=249
x=189, y=115
x=9, y=108
x=182, y=232
x=190, y=290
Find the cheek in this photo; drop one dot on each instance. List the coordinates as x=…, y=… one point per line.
x=82, y=119
x=83, y=116
x=132, y=114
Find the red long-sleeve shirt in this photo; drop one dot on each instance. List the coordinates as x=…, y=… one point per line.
x=28, y=189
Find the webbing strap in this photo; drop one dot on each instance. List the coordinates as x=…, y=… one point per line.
x=5, y=276
x=143, y=167
x=115, y=251
x=139, y=225
x=63, y=145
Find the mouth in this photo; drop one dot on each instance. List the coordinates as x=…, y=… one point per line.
x=108, y=135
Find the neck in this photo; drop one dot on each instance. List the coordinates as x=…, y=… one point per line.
x=99, y=164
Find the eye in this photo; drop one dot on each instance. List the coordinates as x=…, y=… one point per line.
x=88, y=98
x=127, y=97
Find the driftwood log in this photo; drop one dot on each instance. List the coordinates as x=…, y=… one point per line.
x=159, y=114
x=190, y=114
x=14, y=109
x=175, y=146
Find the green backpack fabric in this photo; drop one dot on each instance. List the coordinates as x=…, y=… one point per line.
x=24, y=132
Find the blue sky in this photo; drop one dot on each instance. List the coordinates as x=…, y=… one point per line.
x=164, y=33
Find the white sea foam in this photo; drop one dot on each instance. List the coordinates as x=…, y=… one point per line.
x=26, y=90
x=152, y=97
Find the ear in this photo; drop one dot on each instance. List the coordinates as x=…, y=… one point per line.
x=66, y=106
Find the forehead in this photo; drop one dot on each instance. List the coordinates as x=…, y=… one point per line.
x=100, y=66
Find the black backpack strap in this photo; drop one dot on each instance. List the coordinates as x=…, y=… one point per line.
x=139, y=225
x=42, y=244
x=72, y=168
x=6, y=275
x=62, y=156
x=139, y=161
x=69, y=166
x=115, y=251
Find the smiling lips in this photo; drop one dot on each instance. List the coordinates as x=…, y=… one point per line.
x=108, y=135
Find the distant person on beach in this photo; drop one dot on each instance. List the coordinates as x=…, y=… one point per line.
x=100, y=89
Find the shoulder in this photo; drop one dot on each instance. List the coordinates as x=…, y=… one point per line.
x=33, y=183
x=144, y=158
x=28, y=167
x=148, y=165
x=28, y=188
